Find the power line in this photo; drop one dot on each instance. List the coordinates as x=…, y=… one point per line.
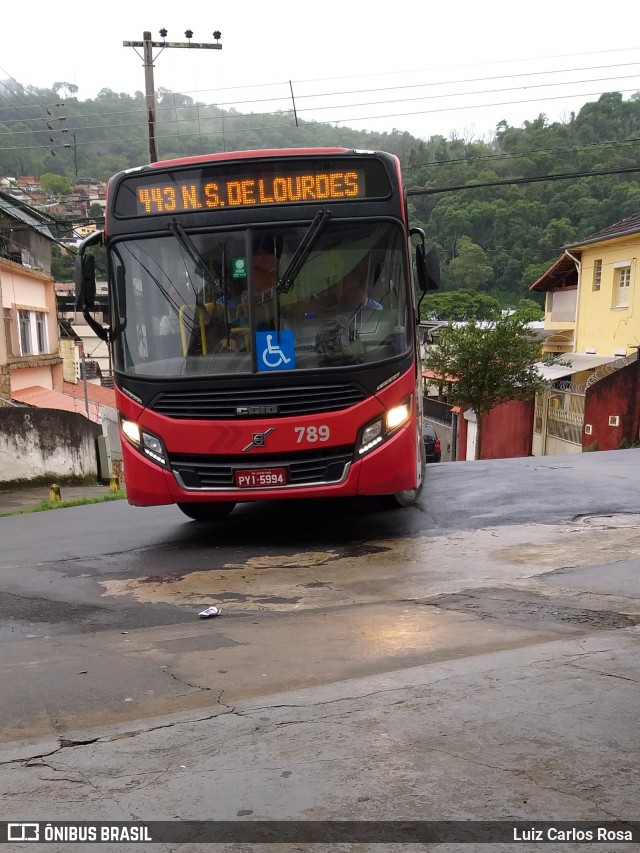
x=328, y=121
x=352, y=118
x=521, y=181
x=163, y=135
x=197, y=106
x=286, y=83
x=46, y=109
x=473, y=106
x=528, y=153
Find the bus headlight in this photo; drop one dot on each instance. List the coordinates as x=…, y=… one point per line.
x=376, y=432
x=397, y=416
x=153, y=447
x=132, y=431
x=370, y=437
x=146, y=442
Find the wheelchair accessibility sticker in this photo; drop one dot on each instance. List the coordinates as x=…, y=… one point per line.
x=275, y=350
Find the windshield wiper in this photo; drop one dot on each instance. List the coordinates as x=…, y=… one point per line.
x=188, y=245
x=288, y=277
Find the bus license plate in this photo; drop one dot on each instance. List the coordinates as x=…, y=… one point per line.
x=249, y=478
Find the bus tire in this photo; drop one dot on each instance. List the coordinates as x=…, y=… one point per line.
x=213, y=511
x=398, y=500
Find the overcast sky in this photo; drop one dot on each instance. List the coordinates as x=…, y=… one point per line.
x=460, y=67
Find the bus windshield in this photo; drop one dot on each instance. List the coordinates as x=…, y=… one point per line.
x=215, y=303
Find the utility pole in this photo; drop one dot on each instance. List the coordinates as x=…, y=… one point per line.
x=147, y=45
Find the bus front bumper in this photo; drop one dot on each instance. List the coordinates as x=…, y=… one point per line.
x=389, y=468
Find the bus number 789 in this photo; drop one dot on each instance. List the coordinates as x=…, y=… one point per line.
x=311, y=434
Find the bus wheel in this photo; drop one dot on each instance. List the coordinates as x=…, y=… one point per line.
x=401, y=499
x=207, y=511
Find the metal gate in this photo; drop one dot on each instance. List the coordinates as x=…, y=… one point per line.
x=559, y=420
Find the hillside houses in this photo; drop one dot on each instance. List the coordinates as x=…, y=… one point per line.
x=72, y=208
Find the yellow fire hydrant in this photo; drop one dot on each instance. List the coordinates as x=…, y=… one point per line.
x=114, y=483
x=54, y=492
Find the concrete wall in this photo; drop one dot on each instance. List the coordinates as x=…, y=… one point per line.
x=68, y=356
x=47, y=443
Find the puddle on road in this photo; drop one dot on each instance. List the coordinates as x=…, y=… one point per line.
x=293, y=561
x=278, y=582
x=394, y=569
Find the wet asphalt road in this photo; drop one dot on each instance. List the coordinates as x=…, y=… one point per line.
x=99, y=604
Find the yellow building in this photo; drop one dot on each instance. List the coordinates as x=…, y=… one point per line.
x=592, y=321
x=593, y=299
x=85, y=230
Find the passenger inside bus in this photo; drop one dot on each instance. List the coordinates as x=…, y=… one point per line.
x=355, y=294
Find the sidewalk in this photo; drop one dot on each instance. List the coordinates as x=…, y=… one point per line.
x=28, y=497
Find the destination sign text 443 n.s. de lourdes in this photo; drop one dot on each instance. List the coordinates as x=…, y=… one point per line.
x=183, y=196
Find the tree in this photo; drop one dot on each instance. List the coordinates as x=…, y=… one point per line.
x=470, y=269
x=528, y=310
x=488, y=364
x=459, y=305
x=55, y=184
x=65, y=90
x=62, y=264
x=109, y=165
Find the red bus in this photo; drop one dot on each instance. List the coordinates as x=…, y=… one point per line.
x=262, y=325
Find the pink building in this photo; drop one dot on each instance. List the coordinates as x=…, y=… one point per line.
x=29, y=351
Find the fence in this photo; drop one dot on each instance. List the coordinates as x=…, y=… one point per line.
x=437, y=410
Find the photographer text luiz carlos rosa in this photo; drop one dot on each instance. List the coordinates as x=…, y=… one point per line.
x=593, y=833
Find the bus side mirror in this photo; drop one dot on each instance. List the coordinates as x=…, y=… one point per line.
x=427, y=263
x=428, y=267
x=85, y=273
x=85, y=281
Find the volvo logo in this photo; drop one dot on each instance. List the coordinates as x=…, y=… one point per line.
x=257, y=410
x=258, y=439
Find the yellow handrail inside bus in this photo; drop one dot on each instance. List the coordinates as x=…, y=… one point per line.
x=199, y=314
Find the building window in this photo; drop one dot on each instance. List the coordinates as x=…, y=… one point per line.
x=8, y=324
x=32, y=326
x=597, y=274
x=623, y=281
x=24, y=323
x=41, y=331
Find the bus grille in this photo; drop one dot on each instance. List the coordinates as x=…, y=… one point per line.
x=223, y=403
x=207, y=472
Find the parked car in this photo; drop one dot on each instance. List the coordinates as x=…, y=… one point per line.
x=431, y=443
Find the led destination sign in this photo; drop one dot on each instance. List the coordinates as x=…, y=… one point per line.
x=190, y=190
x=183, y=196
